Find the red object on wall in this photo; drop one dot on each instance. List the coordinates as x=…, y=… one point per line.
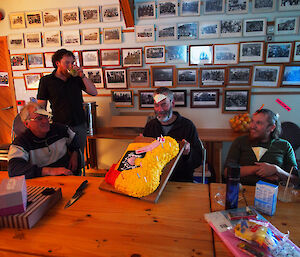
x=20, y=102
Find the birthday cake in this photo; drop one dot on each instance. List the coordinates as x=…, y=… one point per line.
x=138, y=171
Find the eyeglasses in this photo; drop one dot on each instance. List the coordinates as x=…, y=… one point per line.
x=40, y=118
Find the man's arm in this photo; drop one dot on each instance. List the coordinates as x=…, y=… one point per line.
x=48, y=171
x=245, y=171
x=89, y=85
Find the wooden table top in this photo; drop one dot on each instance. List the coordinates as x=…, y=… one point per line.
x=106, y=224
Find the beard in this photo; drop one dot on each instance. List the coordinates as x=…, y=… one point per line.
x=164, y=116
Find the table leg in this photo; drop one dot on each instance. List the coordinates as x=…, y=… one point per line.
x=92, y=153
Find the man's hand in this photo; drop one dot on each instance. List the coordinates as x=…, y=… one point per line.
x=187, y=147
x=73, y=163
x=49, y=171
x=265, y=169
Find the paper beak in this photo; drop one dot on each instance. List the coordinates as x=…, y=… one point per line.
x=43, y=112
x=159, y=97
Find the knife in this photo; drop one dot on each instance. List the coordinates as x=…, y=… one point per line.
x=78, y=193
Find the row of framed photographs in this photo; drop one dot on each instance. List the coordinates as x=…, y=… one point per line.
x=171, y=8
x=64, y=16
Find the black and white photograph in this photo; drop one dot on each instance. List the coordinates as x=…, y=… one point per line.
x=167, y=8
x=48, y=59
x=266, y=75
x=145, y=10
x=236, y=101
x=279, y=52
x=214, y=6
x=146, y=100
x=187, y=31
x=162, y=76
x=231, y=28
x=18, y=62
x=112, y=35
x=111, y=13
x=17, y=20
x=209, y=29
x=189, y=7
x=263, y=6
x=297, y=51
x=90, y=58
x=34, y=19
x=138, y=78
x=237, y=6
x=69, y=16
x=286, y=25
x=252, y=51
x=89, y=14
x=291, y=76
x=115, y=78
x=90, y=36
x=96, y=76
x=239, y=75
x=205, y=98
x=71, y=37
x=132, y=57
x=122, y=98
x=16, y=41
x=180, y=98
x=254, y=27
x=51, y=17
x=226, y=54
x=32, y=80
x=177, y=54
x=186, y=77
x=51, y=38
x=110, y=57
x=200, y=54
x=35, y=60
x=212, y=77
x=144, y=33
x=33, y=40
x=289, y=5
x=166, y=32
x=154, y=54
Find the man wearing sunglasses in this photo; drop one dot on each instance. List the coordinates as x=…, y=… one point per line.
x=43, y=149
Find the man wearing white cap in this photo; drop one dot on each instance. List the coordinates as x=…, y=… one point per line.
x=171, y=123
x=42, y=149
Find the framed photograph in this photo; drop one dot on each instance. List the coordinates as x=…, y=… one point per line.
x=145, y=10
x=187, y=77
x=90, y=58
x=167, y=32
x=266, y=75
x=177, y=54
x=112, y=35
x=17, y=20
x=167, y=8
x=297, y=51
x=189, y=7
x=154, y=54
x=212, y=77
x=205, y=98
x=48, y=59
x=34, y=19
x=226, y=54
x=200, y=55
x=111, y=13
x=33, y=40
x=89, y=14
x=231, y=28
x=279, y=52
x=15, y=41
x=90, y=36
x=180, y=98
x=18, y=62
x=69, y=16
x=110, y=57
x=144, y=33
x=252, y=51
x=35, y=60
x=132, y=57
x=236, y=100
x=288, y=5
x=291, y=76
x=163, y=76
x=122, y=98
x=214, y=6
x=254, y=27
x=237, y=6
x=187, y=31
x=96, y=76
x=115, y=78
x=146, y=100
x=263, y=6
x=32, y=80
x=51, y=18
x=70, y=37
x=52, y=38
x=4, y=79
x=286, y=25
x=209, y=29
x=239, y=75
x=138, y=78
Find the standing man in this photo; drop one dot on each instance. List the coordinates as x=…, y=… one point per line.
x=171, y=123
x=64, y=92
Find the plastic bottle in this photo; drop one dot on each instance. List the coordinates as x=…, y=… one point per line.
x=232, y=187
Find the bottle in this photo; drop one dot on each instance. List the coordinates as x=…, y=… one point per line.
x=232, y=186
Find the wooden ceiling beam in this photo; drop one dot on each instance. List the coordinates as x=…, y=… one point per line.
x=127, y=7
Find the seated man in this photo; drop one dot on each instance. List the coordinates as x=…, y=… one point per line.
x=42, y=149
x=169, y=123
x=261, y=154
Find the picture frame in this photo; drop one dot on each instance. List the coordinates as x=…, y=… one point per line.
x=213, y=77
x=48, y=59
x=285, y=5
x=187, y=30
x=237, y=6
x=89, y=14
x=296, y=57
x=112, y=35
x=214, y=7
x=166, y=32
x=180, y=98
x=187, y=77
x=17, y=20
x=226, y=53
x=90, y=58
x=259, y=6
x=155, y=54
x=70, y=37
x=122, y=98
x=16, y=41
x=279, y=52
x=145, y=33
x=132, y=57
x=33, y=40
x=138, y=78
x=190, y=7
x=90, y=36
x=239, y=75
x=252, y=51
x=51, y=18
x=286, y=25
x=146, y=100
x=52, y=38
x=4, y=82
x=205, y=98
x=167, y=8
x=236, y=100
x=32, y=80
x=291, y=76
x=162, y=76
x=111, y=13
x=254, y=27
x=177, y=54
x=145, y=10
x=267, y=76
x=35, y=60
x=209, y=29
x=34, y=19
x=69, y=16
x=96, y=76
x=18, y=62
x=115, y=78
x=200, y=54
x=110, y=57
x=231, y=28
